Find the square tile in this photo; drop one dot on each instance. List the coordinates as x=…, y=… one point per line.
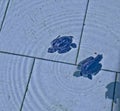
x=31, y=25
x=54, y=88
x=14, y=73
x=3, y=6
x=101, y=33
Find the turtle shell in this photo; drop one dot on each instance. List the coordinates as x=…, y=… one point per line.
x=62, y=42
x=91, y=66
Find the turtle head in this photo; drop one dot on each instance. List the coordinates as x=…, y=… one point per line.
x=98, y=58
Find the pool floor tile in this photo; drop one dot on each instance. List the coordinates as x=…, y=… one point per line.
x=54, y=88
x=101, y=33
x=14, y=73
x=30, y=26
x=32, y=79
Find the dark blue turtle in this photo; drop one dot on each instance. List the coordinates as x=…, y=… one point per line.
x=89, y=67
x=62, y=44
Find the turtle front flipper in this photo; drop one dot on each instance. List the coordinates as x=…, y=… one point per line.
x=90, y=76
x=52, y=50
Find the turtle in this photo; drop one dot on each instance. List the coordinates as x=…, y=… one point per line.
x=62, y=44
x=89, y=66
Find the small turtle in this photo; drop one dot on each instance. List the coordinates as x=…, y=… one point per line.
x=62, y=44
x=89, y=67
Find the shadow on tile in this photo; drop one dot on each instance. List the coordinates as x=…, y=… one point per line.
x=110, y=91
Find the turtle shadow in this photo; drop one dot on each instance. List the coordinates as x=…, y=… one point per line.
x=113, y=92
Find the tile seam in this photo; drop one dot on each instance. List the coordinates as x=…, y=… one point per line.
x=4, y=16
x=32, y=57
x=82, y=30
x=26, y=89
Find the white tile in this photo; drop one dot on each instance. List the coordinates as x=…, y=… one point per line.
x=54, y=88
x=14, y=72
x=3, y=6
x=31, y=25
x=101, y=33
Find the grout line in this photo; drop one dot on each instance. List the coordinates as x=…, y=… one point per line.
x=21, y=55
x=110, y=70
x=114, y=92
x=3, y=52
x=82, y=32
x=4, y=15
x=27, y=85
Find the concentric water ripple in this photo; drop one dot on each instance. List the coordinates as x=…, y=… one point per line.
x=50, y=81
x=103, y=26
x=34, y=25
x=43, y=31
x=15, y=78
x=64, y=22
x=38, y=85
x=38, y=96
x=25, y=6
x=98, y=28
x=19, y=80
x=67, y=82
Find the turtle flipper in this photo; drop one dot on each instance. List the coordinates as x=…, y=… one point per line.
x=77, y=74
x=51, y=50
x=90, y=76
x=73, y=45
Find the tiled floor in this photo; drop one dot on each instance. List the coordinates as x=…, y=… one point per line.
x=14, y=74
x=31, y=79
x=101, y=33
